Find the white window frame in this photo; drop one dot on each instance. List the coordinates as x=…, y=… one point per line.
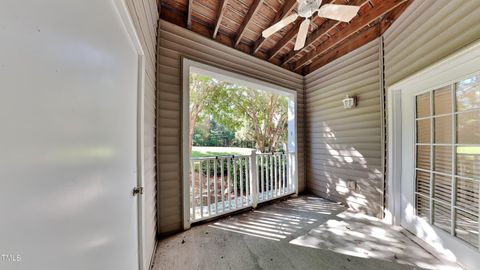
x=188, y=66
x=456, y=67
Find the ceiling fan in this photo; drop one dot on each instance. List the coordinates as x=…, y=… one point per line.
x=306, y=8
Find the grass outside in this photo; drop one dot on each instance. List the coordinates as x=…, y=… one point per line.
x=206, y=151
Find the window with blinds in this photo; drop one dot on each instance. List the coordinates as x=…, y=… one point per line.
x=448, y=158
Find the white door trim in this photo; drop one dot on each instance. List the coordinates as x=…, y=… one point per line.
x=447, y=71
x=122, y=9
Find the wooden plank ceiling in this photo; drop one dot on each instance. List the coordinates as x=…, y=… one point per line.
x=239, y=24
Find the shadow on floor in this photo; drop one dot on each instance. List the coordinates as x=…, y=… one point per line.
x=300, y=233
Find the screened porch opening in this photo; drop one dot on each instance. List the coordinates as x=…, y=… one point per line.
x=241, y=148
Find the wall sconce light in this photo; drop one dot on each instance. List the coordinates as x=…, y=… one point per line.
x=349, y=102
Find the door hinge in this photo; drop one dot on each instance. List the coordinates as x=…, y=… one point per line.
x=137, y=190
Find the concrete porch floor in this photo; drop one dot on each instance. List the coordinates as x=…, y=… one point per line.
x=299, y=233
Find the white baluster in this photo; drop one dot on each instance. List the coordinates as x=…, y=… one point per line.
x=279, y=174
x=241, y=180
x=229, y=190
x=235, y=181
x=271, y=175
x=192, y=173
x=215, y=185
x=275, y=179
x=222, y=187
x=200, y=185
x=262, y=173
x=283, y=173
x=208, y=186
x=254, y=178
x=247, y=180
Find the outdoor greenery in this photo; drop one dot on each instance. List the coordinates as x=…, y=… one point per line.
x=225, y=114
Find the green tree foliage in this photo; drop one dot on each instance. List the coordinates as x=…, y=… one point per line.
x=202, y=94
x=211, y=133
x=255, y=115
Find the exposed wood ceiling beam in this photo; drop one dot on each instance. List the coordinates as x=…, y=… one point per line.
x=178, y=18
x=221, y=10
x=251, y=12
x=360, y=39
x=189, y=14
x=292, y=33
x=286, y=9
x=352, y=43
x=285, y=40
x=393, y=15
x=355, y=25
x=320, y=32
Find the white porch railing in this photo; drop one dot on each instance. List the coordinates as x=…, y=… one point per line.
x=220, y=185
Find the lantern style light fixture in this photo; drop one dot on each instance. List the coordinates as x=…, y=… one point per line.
x=349, y=102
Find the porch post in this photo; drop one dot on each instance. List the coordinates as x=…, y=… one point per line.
x=253, y=178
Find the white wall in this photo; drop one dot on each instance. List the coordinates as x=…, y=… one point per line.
x=68, y=140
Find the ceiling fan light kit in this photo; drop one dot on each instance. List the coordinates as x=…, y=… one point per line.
x=306, y=9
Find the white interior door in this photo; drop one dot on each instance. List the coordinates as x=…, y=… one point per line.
x=68, y=140
x=440, y=155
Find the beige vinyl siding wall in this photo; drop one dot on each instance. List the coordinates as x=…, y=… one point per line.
x=428, y=31
x=175, y=42
x=144, y=14
x=346, y=144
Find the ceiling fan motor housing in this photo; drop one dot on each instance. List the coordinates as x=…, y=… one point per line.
x=306, y=8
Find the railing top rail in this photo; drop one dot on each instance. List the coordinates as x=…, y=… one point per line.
x=269, y=154
x=235, y=156
x=218, y=157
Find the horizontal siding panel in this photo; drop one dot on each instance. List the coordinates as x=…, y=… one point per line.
x=167, y=78
x=321, y=164
x=345, y=144
x=351, y=119
x=346, y=64
x=348, y=125
x=352, y=83
x=168, y=87
x=348, y=140
x=176, y=42
x=344, y=134
x=331, y=108
x=344, y=158
x=340, y=113
x=347, y=77
x=169, y=114
x=362, y=92
x=341, y=177
x=427, y=32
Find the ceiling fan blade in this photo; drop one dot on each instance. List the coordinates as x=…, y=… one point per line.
x=302, y=35
x=279, y=25
x=343, y=13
